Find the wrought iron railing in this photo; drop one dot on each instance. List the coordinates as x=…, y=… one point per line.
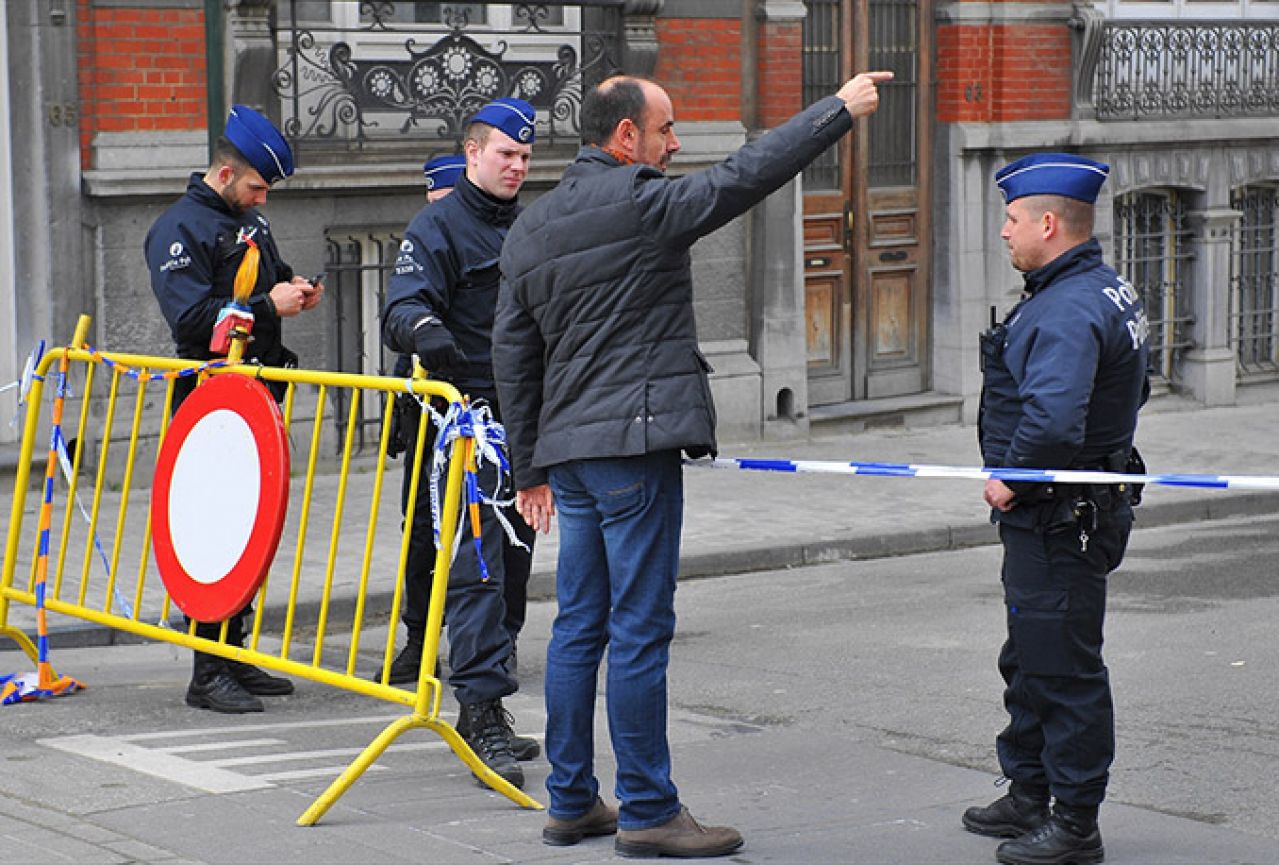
x=416, y=78
x=1179, y=69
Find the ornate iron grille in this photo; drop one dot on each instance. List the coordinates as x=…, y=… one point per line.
x=821, y=78
x=1254, y=284
x=1152, y=252
x=1187, y=69
x=358, y=268
x=344, y=88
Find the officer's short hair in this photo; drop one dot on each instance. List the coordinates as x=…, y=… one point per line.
x=226, y=153
x=477, y=132
x=1077, y=216
x=608, y=104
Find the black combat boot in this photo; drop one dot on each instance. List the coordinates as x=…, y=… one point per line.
x=407, y=664
x=489, y=736
x=213, y=687
x=1068, y=837
x=523, y=748
x=1022, y=810
x=257, y=682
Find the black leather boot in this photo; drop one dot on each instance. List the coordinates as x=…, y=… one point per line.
x=1022, y=810
x=489, y=736
x=1068, y=837
x=213, y=687
x=405, y=666
x=258, y=682
x=523, y=748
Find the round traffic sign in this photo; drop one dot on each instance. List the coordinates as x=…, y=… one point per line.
x=220, y=495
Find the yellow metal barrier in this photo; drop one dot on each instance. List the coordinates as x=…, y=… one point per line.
x=103, y=593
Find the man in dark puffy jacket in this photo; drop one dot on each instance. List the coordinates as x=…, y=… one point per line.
x=602, y=385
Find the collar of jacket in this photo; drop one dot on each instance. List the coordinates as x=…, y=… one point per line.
x=205, y=194
x=491, y=209
x=1085, y=256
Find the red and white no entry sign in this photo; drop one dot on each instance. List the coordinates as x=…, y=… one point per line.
x=220, y=495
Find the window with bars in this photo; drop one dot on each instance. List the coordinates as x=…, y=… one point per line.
x=820, y=56
x=1152, y=251
x=1254, y=287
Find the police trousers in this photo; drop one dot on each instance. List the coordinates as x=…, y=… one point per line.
x=1060, y=737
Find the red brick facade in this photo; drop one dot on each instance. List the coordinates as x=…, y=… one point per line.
x=140, y=69
x=700, y=65
x=781, y=71
x=999, y=73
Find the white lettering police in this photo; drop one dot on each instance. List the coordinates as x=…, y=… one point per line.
x=1125, y=297
x=404, y=262
x=177, y=260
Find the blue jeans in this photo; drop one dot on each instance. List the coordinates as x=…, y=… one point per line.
x=619, y=524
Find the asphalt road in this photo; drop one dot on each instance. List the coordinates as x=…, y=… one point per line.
x=797, y=674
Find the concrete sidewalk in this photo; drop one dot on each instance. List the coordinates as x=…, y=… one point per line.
x=739, y=521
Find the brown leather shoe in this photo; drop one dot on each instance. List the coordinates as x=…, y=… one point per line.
x=600, y=820
x=681, y=837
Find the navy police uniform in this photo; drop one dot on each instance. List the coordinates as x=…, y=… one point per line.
x=193, y=253
x=446, y=276
x=1063, y=379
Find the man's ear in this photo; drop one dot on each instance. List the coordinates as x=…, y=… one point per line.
x=1050, y=225
x=225, y=174
x=471, y=148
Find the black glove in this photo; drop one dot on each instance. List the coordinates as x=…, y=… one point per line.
x=435, y=347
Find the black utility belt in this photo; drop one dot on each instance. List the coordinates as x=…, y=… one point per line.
x=1106, y=497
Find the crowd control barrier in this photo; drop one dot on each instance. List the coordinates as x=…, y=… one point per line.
x=88, y=554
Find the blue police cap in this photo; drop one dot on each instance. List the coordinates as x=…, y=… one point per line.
x=1052, y=174
x=442, y=172
x=260, y=142
x=515, y=117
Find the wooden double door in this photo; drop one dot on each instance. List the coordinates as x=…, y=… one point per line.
x=867, y=202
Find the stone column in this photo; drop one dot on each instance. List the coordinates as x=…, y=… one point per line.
x=1208, y=369
x=639, y=35
x=778, y=324
x=251, y=57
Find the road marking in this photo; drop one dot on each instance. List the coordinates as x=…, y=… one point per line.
x=218, y=746
x=157, y=764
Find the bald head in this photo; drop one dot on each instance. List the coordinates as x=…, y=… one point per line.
x=632, y=118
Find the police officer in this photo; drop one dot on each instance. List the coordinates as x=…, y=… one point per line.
x=1064, y=377
x=193, y=252
x=441, y=175
x=439, y=306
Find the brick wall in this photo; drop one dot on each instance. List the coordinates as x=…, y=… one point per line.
x=781, y=71
x=699, y=65
x=996, y=73
x=140, y=69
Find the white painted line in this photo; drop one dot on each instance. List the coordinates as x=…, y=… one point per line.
x=202, y=776
x=259, y=759
x=307, y=774
x=218, y=746
x=257, y=728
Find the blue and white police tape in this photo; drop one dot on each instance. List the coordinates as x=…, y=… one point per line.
x=1062, y=476
x=476, y=422
x=23, y=384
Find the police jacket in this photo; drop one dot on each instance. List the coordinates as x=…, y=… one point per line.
x=1062, y=387
x=448, y=268
x=193, y=252
x=595, y=346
